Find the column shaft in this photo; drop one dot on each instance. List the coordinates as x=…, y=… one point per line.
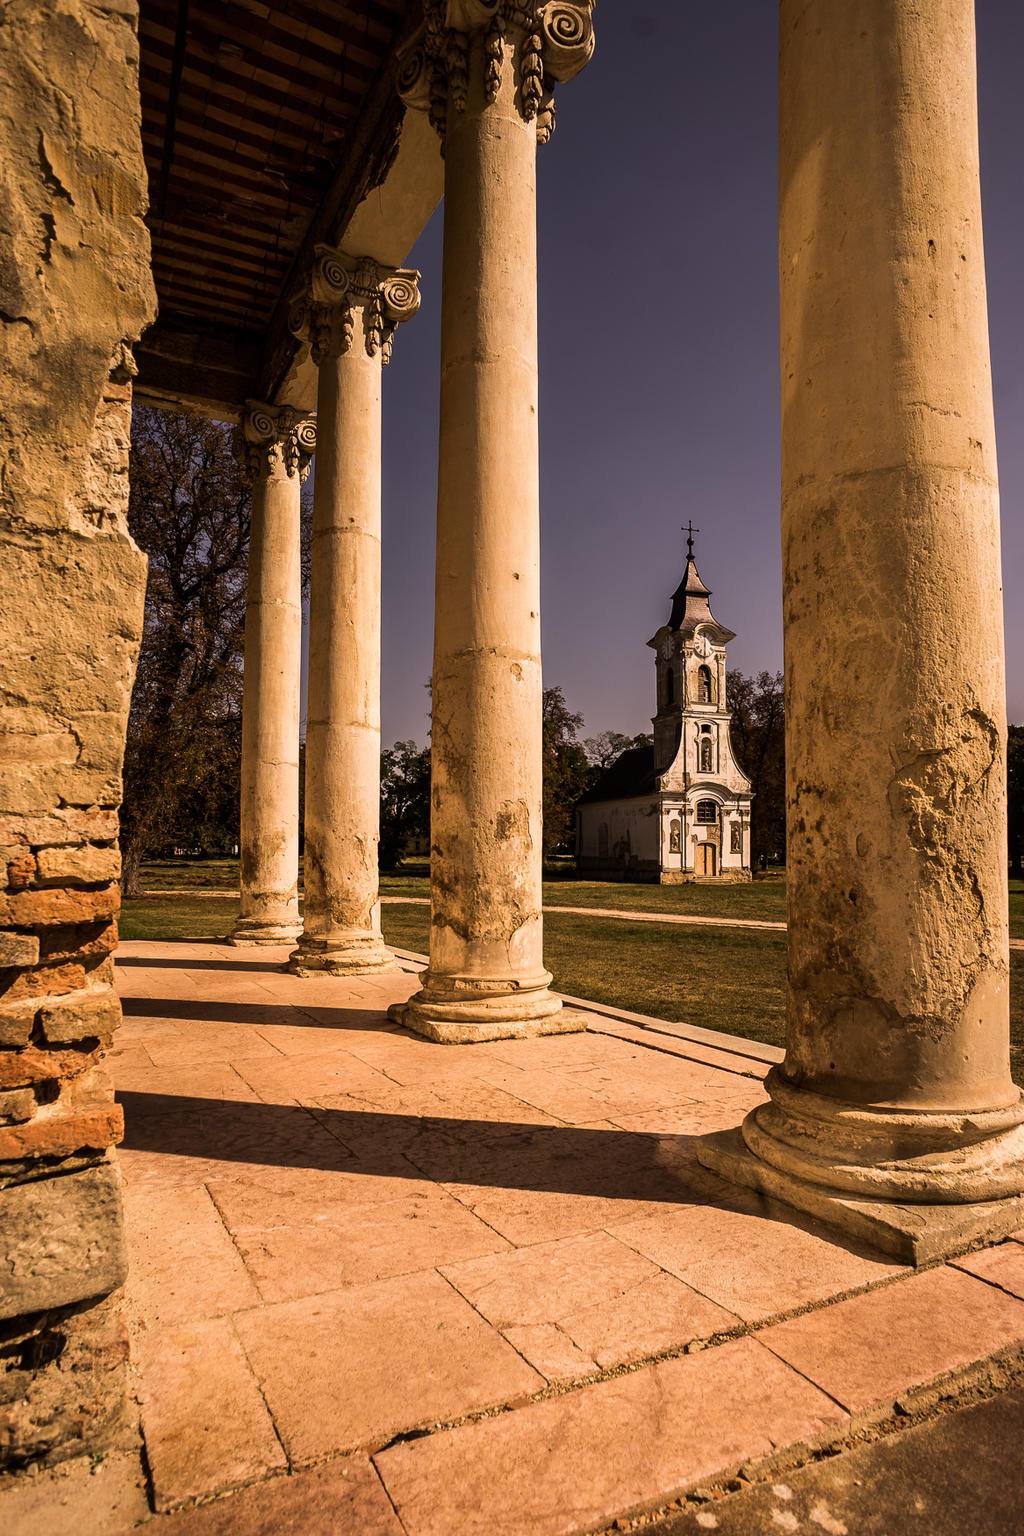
x=342, y=922
x=486, y=975
x=350, y=317
x=270, y=709
x=896, y=1082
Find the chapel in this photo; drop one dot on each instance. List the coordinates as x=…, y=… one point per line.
x=678, y=810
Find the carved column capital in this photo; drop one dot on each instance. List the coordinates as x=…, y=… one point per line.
x=545, y=42
x=339, y=285
x=277, y=436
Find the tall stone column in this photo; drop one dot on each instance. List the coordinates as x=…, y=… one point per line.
x=349, y=317
x=893, y=1114
x=485, y=70
x=278, y=445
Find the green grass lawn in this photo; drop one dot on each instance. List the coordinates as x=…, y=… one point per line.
x=760, y=899
x=728, y=979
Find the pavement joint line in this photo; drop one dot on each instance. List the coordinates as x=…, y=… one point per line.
x=986, y=1384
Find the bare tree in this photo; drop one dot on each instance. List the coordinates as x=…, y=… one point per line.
x=189, y=511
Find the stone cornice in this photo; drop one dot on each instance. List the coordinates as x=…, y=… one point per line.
x=551, y=41
x=277, y=436
x=338, y=286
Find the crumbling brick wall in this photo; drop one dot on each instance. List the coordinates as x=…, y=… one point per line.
x=75, y=292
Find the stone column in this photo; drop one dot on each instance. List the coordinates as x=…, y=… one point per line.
x=278, y=445
x=485, y=70
x=349, y=317
x=893, y=1114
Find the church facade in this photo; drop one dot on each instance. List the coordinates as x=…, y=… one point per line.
x=678, y=810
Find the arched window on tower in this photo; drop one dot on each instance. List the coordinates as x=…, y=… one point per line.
x=670, y=687
x=705, y=686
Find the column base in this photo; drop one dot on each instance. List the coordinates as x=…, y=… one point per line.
x=260, y=930
x=915, y=1233
x=467, y=1011
x=354, y=954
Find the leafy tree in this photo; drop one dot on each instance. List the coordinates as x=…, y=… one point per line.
x=566, y=770
x=189, y=511
x=1015, y=796
x=404, y=799
x=604, y=749
x=758, y=738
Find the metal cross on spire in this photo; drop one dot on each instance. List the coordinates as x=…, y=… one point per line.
x=690, y=530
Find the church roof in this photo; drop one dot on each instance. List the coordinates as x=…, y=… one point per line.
x=631, y=775
x=690, y=605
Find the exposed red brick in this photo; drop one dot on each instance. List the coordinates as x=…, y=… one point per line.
x=32, y=908
x=21, y=871
x=19, y=1069
x=57, y=1135
x=44, y=981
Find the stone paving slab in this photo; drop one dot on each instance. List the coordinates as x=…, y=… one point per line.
x=958, y=1475
x=563, y=1466
x=488, y=1285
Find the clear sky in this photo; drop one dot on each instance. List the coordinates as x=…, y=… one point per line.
x=659, y=357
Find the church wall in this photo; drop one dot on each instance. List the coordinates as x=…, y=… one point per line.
x=620, y=838
x=75, y=292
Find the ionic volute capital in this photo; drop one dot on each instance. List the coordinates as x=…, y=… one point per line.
x=545, y=42
x=277, y=436
x=339, y=286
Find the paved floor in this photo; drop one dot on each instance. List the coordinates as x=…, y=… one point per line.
x=960, y=1474
x=385, y=1286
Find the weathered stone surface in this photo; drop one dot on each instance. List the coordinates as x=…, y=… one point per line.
x=63, y=1378
x=62, y=1240
x=18, y=949
x=82, y=940
x=42, y=982
x=279, y=443
x=341, y=914
x=41, y=908
x=16, y=1023
x=60, y=827
x=78, y=866
x=16, y=1105
x=80, y=1016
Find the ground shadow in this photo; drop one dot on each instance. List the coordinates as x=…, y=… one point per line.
x=271, y=966
x=568, y=1160
x=205, y=1010
x=502, y=1155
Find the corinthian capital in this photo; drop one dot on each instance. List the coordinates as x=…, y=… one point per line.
x=542, y=42
x=277, y=436
x=342, y=287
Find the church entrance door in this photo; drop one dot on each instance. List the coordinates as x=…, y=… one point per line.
x=709, y=858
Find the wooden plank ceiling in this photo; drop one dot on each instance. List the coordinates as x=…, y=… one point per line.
x=247, y=111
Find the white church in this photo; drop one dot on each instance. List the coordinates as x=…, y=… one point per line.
x=680, y=810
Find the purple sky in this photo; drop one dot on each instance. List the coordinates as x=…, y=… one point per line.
x=659, y=358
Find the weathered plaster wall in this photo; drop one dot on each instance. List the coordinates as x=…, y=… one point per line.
x=75, y=292
x=634, y=833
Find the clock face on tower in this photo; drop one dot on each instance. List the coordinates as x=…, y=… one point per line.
x=702, y=645
x=667, y=648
